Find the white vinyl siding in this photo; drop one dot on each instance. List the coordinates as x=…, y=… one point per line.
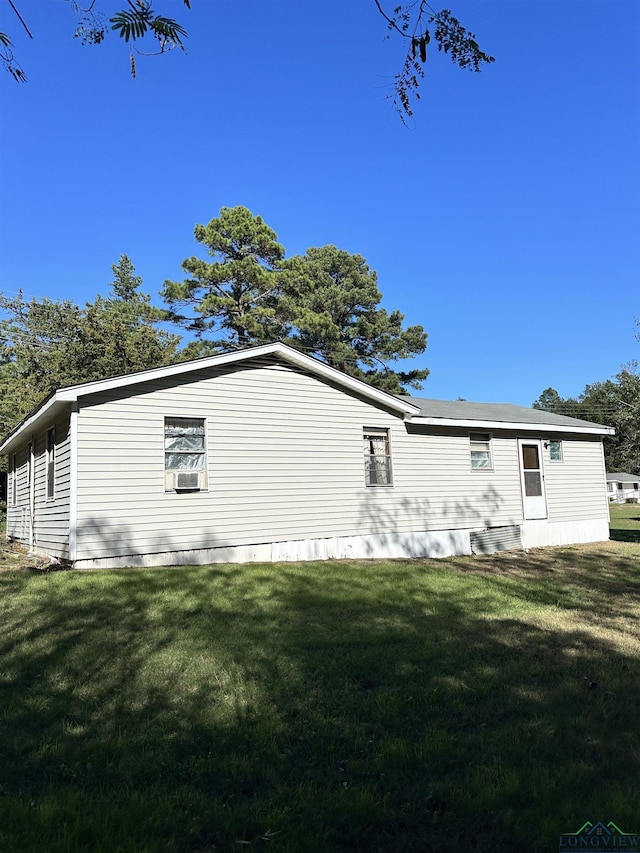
x=48, y=517
x=18, y=506
x=284, y=455
x=575, y=489
x=451, y=493
x=275, y=471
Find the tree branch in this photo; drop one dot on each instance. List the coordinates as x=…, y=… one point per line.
x=412, y=22
x=20, y=18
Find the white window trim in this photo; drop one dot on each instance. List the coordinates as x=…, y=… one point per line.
x=50, y=465
x=378, y=432
x=170, y=474
x=559, y=441
x=13, y=491
x=481, y=438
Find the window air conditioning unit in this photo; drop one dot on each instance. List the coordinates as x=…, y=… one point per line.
x=187, y=480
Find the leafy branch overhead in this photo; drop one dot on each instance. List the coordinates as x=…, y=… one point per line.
x=418, y=23
x=132, y=23
x=8, y=60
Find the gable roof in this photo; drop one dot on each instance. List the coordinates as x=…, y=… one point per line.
x=420, y=411
x=63, y=397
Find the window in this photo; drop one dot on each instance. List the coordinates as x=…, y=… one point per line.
x=377, y=457
x=14, y=479
x=555, y=451
x=30, y=467
x=184, y=454
x=480, y=443
x=51, y=463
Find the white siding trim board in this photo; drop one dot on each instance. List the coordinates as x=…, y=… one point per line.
x=73, y=492
x=503, y=425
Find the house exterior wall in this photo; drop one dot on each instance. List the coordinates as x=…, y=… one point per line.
x=34, y=520
x=286, y=476
x=620, y=491
x=18, y=510
x=284, y=455
x=577, y=505
x=576, y=486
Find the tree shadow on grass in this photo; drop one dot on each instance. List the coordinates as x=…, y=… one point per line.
x=329, y=707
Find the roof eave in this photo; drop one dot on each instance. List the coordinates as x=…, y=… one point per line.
x=595, y=429
x=49, y=409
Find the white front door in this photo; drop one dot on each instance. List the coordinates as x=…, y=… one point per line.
x=532, y=478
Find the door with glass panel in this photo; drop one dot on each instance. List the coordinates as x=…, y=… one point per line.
x=532, y=478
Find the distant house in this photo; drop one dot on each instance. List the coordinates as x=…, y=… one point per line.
x=623, y=487
x=266, y=454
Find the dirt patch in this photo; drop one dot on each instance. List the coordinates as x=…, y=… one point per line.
x=16, y=558
x=552, y=558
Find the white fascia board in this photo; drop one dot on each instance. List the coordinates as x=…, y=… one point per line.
x=513, y=426
x=74, y=392
x=48, y=409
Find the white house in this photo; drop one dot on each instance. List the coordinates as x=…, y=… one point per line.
x=623, y=487
x=266, y=454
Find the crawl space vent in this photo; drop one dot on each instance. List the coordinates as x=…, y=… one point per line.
x=496, y=539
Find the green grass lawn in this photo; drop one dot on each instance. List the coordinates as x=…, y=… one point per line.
x=484, y=704
x=625, y=522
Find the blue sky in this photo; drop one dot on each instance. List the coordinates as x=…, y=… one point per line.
x=505, y=220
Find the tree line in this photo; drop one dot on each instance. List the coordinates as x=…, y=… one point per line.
x=325, y=303
x=614, y=402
